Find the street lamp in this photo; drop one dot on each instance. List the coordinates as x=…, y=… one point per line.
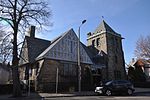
x=79, y=66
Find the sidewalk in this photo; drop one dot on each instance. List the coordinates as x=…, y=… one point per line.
x=33, y=96
x=40, y=96
x=142, y=90
x=83, y=93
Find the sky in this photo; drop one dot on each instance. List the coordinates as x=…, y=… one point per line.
x=130, y=18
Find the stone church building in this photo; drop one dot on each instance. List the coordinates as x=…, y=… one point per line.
x=47, y=63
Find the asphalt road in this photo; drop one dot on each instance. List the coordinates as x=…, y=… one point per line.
x=136, y=96
x=102, y=98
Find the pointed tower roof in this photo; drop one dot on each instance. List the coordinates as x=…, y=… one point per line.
x=104, y=27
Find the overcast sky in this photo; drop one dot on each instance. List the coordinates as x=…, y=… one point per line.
x=130, y=18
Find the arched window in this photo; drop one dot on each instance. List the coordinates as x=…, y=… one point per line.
x=98, y=42
x=93, y=43
x=71, y=46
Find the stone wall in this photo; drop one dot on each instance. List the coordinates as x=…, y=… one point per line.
x=67, y=78
x=111, y=45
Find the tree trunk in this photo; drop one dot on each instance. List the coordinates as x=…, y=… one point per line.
x=15, y=60
x=15, y=72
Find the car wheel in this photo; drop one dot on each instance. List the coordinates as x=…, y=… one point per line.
x=130, y=92
x=108, y=93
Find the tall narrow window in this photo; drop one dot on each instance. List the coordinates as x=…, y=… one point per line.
x=93, y=43
x=37, y=68
x=116, y=59
x=117, y=44
x=66, y=69
x=71, y=47
x=98, y=42
x=112, y=42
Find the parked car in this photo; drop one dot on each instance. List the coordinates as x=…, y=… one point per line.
x=115, y=87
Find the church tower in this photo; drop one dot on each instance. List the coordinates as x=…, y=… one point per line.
x=107, y=40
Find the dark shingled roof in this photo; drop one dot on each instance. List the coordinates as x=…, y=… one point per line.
x=35, y=47
x=104, y=27
x=90, y=51
x=90, y=54
x=95, y=55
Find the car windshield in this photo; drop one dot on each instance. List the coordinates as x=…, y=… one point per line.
x=108, y=83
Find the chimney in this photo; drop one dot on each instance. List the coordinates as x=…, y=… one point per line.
x=32, y=32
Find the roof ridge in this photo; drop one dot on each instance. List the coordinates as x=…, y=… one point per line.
x=38, y=38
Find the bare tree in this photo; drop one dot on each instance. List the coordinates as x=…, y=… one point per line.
x=2, y=34
x=19, y=14
x=5, y=47
x=142, y=49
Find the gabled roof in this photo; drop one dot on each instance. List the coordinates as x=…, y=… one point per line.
x=35, y=47
x=97, y=57
x=65, y=48
x=90, y=54
x=90, y=51
x=142, y=62
x=55, y=41
x=104, y=27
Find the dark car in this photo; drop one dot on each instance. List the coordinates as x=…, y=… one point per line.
x=115, y=87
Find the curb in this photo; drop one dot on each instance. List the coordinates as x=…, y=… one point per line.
x=67, y=95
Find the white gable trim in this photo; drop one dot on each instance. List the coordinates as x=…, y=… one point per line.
x=51, y=46
x=65, y=48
